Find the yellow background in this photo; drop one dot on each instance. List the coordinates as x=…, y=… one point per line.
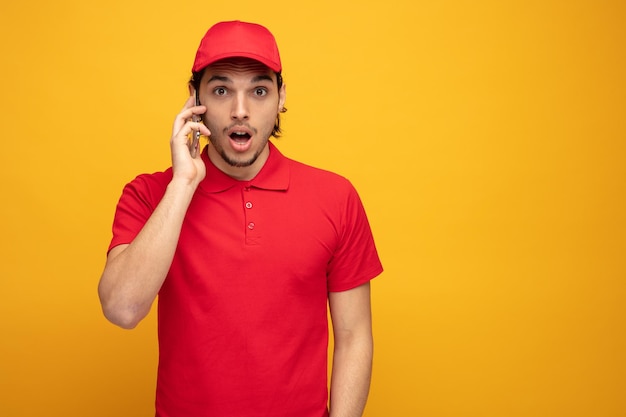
x=487, y=140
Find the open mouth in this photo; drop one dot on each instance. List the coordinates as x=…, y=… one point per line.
x=240, y=137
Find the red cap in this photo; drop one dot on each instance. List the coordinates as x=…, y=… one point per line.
x=237, y=39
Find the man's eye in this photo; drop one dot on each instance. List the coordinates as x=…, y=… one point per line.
x=260, y=92
x=220, y=91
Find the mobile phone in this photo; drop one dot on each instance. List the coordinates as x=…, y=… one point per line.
x=195, y=141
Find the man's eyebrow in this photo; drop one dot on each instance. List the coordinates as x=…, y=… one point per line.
x=223, y=79
x=263, y=77
x=220, y=78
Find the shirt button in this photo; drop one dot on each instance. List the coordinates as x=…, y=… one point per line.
x=251, y=225
x=248, y=205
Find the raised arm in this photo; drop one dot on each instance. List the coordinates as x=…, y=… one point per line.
x=133, y=273
x=352, y=359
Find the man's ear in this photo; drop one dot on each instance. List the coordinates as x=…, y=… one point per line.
x=282, y=96
x=192, y=90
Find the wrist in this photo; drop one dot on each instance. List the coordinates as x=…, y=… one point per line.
x=182, y=186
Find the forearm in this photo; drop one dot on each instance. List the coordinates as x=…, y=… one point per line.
x=351, y=375
x=133, y=276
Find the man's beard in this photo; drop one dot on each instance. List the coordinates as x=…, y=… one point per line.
x=237, y=163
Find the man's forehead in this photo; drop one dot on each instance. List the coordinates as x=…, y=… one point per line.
x=239, y=66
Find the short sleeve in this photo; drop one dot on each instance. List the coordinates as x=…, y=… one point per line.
x=135, y=206
x=356, y=259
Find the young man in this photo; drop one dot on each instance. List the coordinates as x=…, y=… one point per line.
x=245, y=249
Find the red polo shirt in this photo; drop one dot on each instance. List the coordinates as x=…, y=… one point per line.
x=243, y=326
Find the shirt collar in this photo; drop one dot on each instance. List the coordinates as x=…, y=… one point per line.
x=274, y=175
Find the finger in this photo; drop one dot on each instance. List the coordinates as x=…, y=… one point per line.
x=187, y=113
x=204, y=131
x=189, y=129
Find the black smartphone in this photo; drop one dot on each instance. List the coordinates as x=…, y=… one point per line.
x=195, y=141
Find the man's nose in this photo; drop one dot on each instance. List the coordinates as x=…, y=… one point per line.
x=240, y=109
